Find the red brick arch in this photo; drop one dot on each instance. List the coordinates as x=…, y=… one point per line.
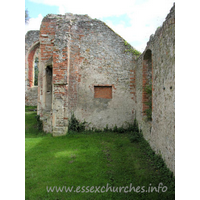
x=31, y=54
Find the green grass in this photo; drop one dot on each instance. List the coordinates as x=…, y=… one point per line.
x=90, y=159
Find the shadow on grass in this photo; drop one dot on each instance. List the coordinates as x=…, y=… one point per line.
x=74, y=161
x=88, y=159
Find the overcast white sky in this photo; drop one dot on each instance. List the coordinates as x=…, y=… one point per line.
x=134, y=20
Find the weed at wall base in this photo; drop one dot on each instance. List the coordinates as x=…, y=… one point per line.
x=135, y=136
x=39, y=123
x=75, y=125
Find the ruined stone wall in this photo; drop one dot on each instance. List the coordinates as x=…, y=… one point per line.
x=84, y=54
x=31, y=38
x=46, y=38
x=98, y=60
x=83, y=68
x=160, y=132
x=31, y=47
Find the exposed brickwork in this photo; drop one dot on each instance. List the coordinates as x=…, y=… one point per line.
x=31, y=46
x=104, y=92
x=160, y=132
x=96, y=79
x=75, y=46
x=60, y=66
x=31, y=66
x=147, y=79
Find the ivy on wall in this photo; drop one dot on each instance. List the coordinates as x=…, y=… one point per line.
x=130, y=49
x=148, y=90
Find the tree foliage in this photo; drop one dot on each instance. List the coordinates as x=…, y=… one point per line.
x=36, y=71
x=26, y=16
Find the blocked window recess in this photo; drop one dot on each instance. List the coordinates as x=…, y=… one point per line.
x=49, y=87
x=103, y=92
x=147, y=84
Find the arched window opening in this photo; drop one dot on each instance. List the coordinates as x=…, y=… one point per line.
x=147, y=85
x=36, y=71
x=33, y=65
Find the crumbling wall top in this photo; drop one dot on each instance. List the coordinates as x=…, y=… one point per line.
x=171, y=13
x=169, y=20
x=68, y=17
x=30, y=38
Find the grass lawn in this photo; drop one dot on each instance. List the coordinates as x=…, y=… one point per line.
x=82, y=160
